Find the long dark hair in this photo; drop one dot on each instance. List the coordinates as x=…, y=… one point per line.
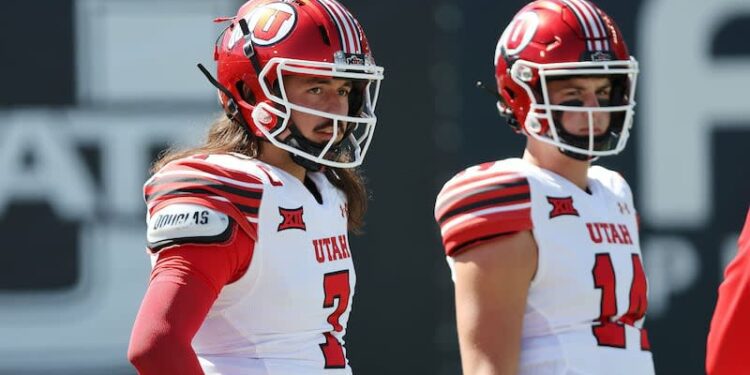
x=225, y=136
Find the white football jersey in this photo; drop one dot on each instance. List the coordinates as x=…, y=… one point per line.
x=586, y=304
x=288, y=313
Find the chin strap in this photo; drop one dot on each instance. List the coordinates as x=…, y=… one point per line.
x=604, y=141
x=298, y=141
x=575, y=155
x=600, y=142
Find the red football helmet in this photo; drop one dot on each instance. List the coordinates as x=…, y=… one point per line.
x=270, y=38
x=559, y=39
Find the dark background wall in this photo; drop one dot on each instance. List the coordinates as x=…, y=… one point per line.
x=90, y=94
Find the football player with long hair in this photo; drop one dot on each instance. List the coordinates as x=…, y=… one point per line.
x=248, y=233
x=544, y=249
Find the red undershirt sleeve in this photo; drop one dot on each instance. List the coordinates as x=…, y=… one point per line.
x=185, y=282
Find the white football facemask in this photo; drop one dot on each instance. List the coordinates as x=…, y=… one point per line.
x=352, y=149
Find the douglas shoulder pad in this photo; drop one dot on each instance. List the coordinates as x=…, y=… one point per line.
x=184, y=223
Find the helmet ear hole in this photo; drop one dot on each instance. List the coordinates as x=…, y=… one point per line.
x=246, y=92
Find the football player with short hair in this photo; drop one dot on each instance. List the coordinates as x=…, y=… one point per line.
x=248, y=233
x=544, y=249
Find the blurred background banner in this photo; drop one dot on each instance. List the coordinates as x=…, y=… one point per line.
x=92, y=90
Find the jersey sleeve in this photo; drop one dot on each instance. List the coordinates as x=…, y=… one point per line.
x=728, y=335
x=193, y=200
x=185, y=282
x=481, y=203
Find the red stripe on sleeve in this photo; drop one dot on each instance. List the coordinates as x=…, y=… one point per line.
x=165, y=190
x=468, y=230
x=211, y=168
x=493, y=194
x=193, y=180
x=481, y=203
x=465, y=178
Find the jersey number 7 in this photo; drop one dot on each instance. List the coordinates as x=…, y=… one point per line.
x=336, y=286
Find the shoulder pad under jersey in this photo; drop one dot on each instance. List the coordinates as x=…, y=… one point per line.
x=183, y=223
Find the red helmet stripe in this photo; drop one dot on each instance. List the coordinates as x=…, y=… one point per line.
x=591, y=12
x=596, y=31
x=345, y=32
x=350, y=23
x=357, y=28
x=582, y=22
x=590, y=19
x=342, y=38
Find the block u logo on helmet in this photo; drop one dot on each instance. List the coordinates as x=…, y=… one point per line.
x=519, y=33
x=269, y=24
x=272, y=23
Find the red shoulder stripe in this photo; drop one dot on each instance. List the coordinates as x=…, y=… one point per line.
x=469, y=229
x=197, y=181
x=465, y=178
x=494, y=194
x=212, y=169
x=480, y=205
x=248, y=200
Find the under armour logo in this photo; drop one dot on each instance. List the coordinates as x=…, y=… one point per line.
x=561, y=206
x=292, y=219
x=624, y=209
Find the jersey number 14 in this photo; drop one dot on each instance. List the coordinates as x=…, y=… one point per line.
x=612, y=333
